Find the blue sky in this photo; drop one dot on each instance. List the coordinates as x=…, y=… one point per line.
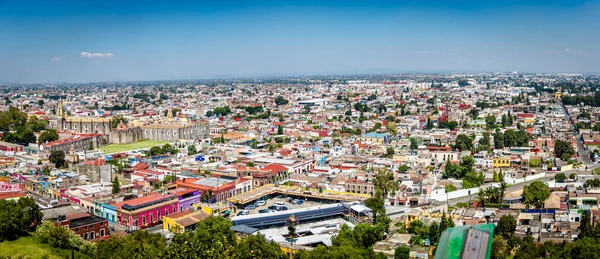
x=90, y=40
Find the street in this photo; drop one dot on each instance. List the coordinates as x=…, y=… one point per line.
x=581, y=151
x=549, y=176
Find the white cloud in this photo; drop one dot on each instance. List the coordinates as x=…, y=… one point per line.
x=567, y=50
x=96, y=55
x=55, y=59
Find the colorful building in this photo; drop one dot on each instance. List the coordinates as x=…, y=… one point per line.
x=221, y=189
x=375, y=137
x=87, y=226
x=500, y=162
x=145, y=211
x=186, y=197
x=183, y=221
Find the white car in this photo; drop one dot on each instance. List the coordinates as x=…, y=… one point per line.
x=261, y=203
x=280, y=203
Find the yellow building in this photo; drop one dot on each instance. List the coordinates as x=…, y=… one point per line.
x=183, y=221
x=500, y=162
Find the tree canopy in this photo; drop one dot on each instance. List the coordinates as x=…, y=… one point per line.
x=536, y=193
x=16, y=217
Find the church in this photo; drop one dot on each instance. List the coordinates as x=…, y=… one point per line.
x=169, y=129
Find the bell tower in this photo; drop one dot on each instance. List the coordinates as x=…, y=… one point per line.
x=60, y=110
x=170, y=114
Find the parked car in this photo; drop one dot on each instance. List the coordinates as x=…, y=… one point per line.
x=243, y=212
x=250, y=207
x=299, y=201
x=264, y=211
x=261, y=203
x=288, y=199
x=283, y=208
x=280, y=203
x=272, y=207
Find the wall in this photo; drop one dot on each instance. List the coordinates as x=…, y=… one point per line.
x=474, y=191
x=155, y=212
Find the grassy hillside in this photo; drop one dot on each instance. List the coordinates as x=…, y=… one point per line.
x=29, y=247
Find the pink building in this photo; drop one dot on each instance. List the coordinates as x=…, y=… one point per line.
x=146, y=211
x=10, y=187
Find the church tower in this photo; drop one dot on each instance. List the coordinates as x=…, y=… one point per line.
x=60, y=110
x=60, y=113
x=170, y=114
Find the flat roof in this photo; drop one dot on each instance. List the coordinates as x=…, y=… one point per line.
x=275, y=161
x=313, y=101
x=212, y=182
x=84, y=221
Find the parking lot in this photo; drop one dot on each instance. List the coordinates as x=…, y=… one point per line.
x=290, y=206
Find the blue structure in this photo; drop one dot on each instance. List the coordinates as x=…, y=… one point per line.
x=385, y=136
x=109, y=212
x=279, y=218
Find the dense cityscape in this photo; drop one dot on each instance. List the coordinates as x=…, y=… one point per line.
x=370, y=166
x=299, y=129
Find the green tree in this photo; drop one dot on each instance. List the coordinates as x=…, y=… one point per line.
x=429, y=124
x=36, y=124
x=450, y=188
x=384, y=183
x=506, y=226
x=281, y=101
x=413, y=144
x=116, y=186
x=572, y=176
x=434, y=233
x=563, y=149
x=139, y=245
x=560, y=177
x=154, y=151
x=192, y=149
x=536, y=193
x=306, y=109
x=585, y=226
x=377, y=207
x=490, y=121
x=389, y=152
x=403, y=168
x=57, y=158
x=257, y=246
x=16, y=217
x=213, y=238
x=463, y=142
x=279, y=130
x=498, y=140
x=402, y=252
x=499, y=247
x=116, y=120
x=48, y=136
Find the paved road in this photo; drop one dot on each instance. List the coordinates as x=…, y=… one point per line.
x=581, y=151
x=519, y=186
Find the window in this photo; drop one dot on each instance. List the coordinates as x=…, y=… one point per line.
x=101, y=232
x=92, y=235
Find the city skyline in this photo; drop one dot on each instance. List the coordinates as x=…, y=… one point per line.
x=71, y=41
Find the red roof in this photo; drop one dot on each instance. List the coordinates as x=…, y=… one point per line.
x=96, y=162
x=11, y=195
x=322, y=133
x=140, y=166
x=275, y=168
x=139, y=201
x=525, y=115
